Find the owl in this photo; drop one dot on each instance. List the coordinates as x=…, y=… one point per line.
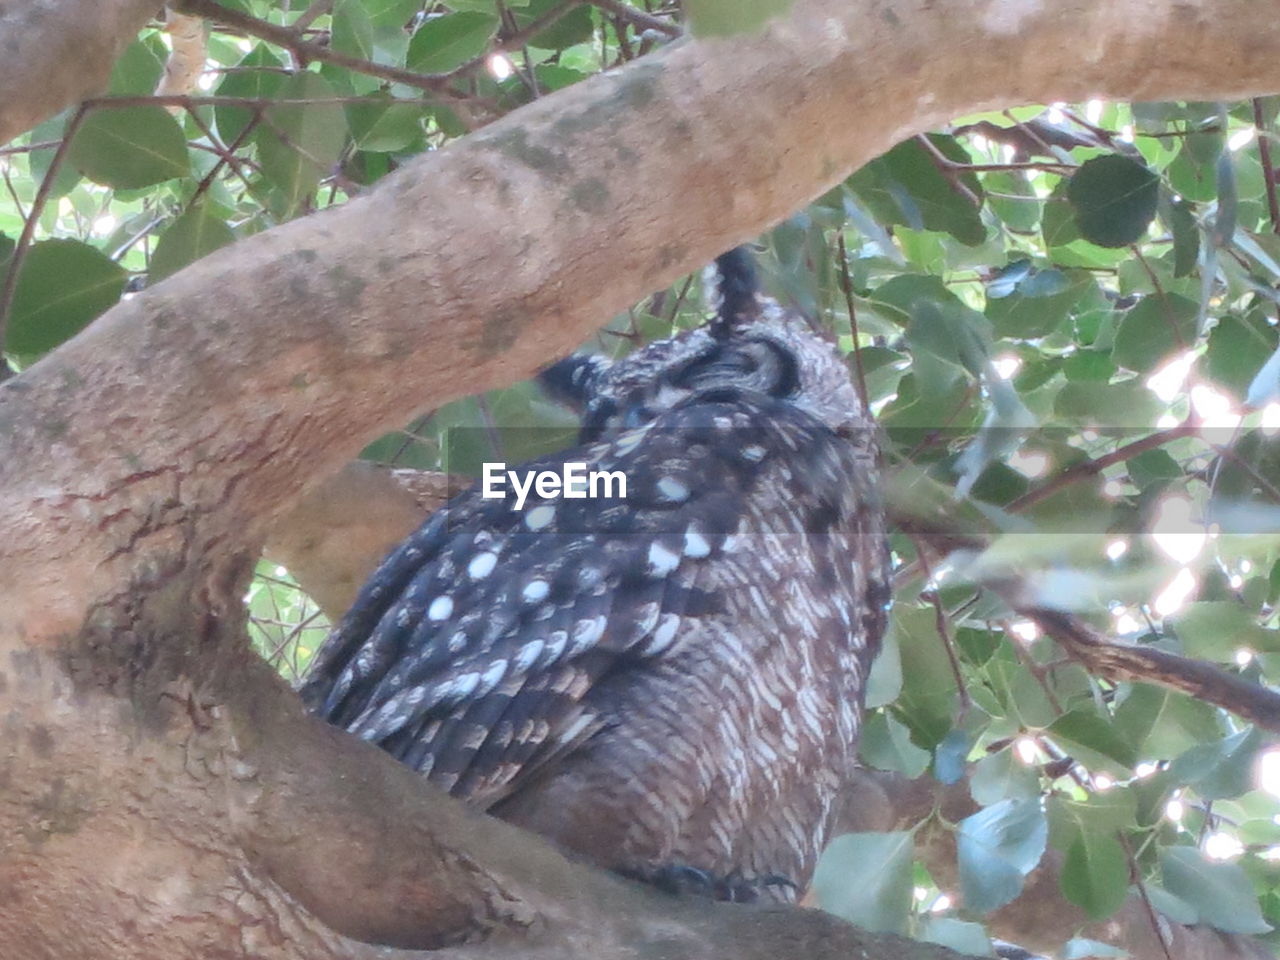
x=667, y=684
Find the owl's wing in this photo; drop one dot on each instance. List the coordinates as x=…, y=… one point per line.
x=470, y=650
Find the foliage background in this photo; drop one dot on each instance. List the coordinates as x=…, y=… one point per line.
x=1065, y=316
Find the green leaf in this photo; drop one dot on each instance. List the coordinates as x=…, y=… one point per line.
x=139, y=68
x=959, y=935
x=1002, y=776
x=884, y=683
x=996, y=848
x=1038, y=304
x=1181, y=222
x=928, y=685
x=192, y=235
x=1193, y=173
x=1154, y=328
x=1092, y=740
x=1220, y=770
x=255, y=78
x=1162, y=724
x=1125, y=404
x=443, y=43
x=905, y=187
x=130, y=147
x=1220, y=892
x=1058, y=226
x=1095, y=875
x=877, y=899
x=1235, y=345
x=1216, y=629
x=299, y=143
x=63, y=285
x=1081, y=948
x=352, y=29
x=723, y=18
x=576, y=26
x=385, y=127
x=41, y=160
x=1114, y=199
x=886, y=745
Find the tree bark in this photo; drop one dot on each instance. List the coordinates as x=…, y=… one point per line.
x=54, y=53
x=160, y=792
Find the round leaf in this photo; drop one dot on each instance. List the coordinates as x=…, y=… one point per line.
x=63, y=285
x=1114, y=199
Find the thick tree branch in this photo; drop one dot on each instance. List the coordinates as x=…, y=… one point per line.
x=56, y=52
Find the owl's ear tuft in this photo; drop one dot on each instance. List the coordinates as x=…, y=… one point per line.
x=573, y=380
x=731, y=287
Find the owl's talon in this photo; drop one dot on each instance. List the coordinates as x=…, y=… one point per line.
x=680, y=879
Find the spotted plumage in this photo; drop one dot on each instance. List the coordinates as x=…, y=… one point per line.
x=670, y=680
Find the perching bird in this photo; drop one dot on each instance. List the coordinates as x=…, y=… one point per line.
x=671, y=684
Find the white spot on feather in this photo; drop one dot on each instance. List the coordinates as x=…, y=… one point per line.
x=535, y=590
x=672, y=490
x=661, y=560
x=482, y=565
x=539, y=516
x=440, y=608
x=695, y=544
x=664, y=634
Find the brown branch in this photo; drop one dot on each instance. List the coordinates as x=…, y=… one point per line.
x=1198, y=678
x=306, y=50
x=1086, y=469
x=643, y=20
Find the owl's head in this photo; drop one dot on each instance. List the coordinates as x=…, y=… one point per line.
x=752, y=345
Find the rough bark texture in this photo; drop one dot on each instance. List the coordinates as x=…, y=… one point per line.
x=160, y=793
x=55, y=52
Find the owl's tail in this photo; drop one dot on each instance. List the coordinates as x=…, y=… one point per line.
x=731, y=288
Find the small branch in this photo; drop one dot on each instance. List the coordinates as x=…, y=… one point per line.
x=1268, y=169
x=1091, y=468
x=306, y=50
x=310, y=15
x=944, y=632
x=646, y=21
x=1198, y=678
x=33, y=215
x=846, y=286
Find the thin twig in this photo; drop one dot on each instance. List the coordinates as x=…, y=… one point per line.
x=846, y=285
x=305, y=50
x=944, y=630
x=1268, y=170
x=646, y=21
x=1135, y=873
x=33, y=215
x=1091, y=468
x=28, y=147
